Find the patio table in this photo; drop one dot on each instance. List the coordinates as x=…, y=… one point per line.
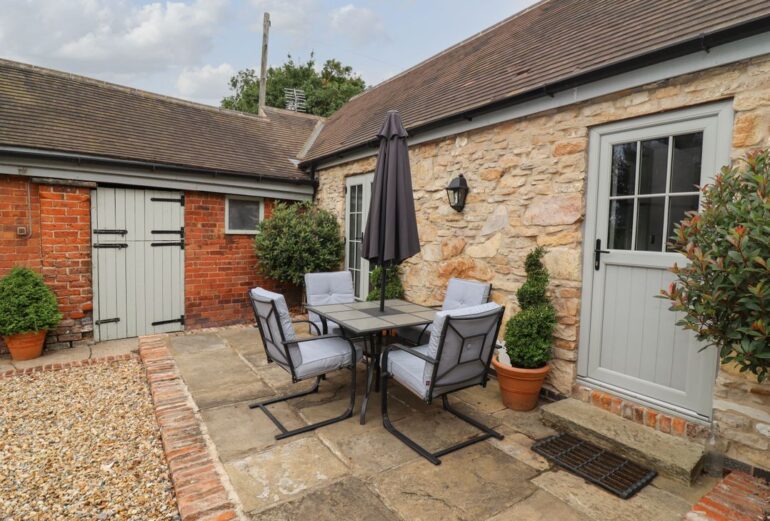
x=364, y=319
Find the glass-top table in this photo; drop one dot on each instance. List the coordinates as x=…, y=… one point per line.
x=366, y=320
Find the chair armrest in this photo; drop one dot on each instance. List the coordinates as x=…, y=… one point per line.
x=322, y=337
x=410, y=350
x=318, y=331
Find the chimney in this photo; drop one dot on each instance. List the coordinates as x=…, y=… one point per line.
x=263, y=68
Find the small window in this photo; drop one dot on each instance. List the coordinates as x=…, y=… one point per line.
x=243, y=214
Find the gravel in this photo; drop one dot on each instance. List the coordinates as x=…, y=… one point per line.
x=82, y=443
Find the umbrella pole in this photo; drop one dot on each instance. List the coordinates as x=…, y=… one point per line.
x=383, y=284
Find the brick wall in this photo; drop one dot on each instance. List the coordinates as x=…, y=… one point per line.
x=220, y=268
x=58, y=247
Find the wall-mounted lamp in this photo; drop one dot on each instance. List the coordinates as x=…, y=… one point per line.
x=457, y=191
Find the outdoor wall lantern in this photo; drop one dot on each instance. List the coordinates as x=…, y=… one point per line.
x=457, y=191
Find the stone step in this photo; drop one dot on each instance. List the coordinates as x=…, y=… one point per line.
x=674, y=457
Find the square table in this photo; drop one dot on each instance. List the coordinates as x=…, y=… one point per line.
x=365, y=319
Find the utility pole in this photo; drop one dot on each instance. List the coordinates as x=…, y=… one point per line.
x=263, y=68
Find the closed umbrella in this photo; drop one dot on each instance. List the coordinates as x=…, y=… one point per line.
x=391, y=236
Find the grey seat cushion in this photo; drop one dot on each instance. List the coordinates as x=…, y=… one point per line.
x=408, y=370
x=283, y=321
x=324, y=355
x=460, y=293
x=334, y=287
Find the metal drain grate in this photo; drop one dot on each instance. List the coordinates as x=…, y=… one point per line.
x=620, y=476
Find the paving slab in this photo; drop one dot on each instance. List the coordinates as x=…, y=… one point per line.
x=528, y=423
x=115, y=347
x=599, y=505
x=5, y=364
x=238, y=431
x=242, y=338
x=517, y=445
x=675, y=457
x=283, y=472
x=540, y=506
x=197, y=343
x=485, y=399
x=60, y=356
x=434, y=428
x=348, y=499
x=470, y=485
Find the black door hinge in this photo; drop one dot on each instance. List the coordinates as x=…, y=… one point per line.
x=161, y=322
x=117, y=245
x=106, y=321
x=169, y=199
x=110, y=232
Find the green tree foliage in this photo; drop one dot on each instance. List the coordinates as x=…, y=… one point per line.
x=26, y=303
x=393, y=286
x=528, y=334
x=724, y=290
x=325, y=91
x=298, y=238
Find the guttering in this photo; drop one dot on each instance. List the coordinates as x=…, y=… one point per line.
x=84, y=158
x=703, y=42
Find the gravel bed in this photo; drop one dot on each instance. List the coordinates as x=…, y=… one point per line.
x=82, y=443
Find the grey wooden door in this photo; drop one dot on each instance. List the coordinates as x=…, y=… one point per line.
x=138, y=262
x=645, y=179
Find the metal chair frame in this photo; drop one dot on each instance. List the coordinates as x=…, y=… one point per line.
x=487, y=432
x=285, y=433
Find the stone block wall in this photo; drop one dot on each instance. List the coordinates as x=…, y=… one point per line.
x=527, y=180
x=57, y=245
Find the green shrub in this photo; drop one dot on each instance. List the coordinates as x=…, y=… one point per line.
x=26, y=303
x=724, y=290
x=393, y=286
x=528, y=334
x=298, y=238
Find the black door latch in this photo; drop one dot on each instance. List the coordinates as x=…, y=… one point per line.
x=598, y=253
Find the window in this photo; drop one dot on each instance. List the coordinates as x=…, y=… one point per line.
x=243, y=214
x=653, y=183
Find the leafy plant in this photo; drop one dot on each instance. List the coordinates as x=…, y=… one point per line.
x=529, y=332
x=724, y=290
x=298, y=238
x=393, y=286
x=26, y=303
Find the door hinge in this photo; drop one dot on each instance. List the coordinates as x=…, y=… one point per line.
x=176, y=243
x=160, y=232
x=107, y=321
x=161, y=322
x=169, y=199
x=110, y=232
x=111, y=245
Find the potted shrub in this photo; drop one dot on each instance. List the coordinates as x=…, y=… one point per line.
x=528, y=337
x=27, y=311
x=393, y=286
x=724, y=290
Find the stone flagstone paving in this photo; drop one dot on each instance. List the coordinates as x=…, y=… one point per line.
x=350, y=471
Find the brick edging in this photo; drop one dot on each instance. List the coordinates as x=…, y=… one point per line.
x=200, y=493
x=67, y=365
x=738, y=497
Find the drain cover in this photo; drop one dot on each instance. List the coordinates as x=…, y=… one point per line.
x=620, y=476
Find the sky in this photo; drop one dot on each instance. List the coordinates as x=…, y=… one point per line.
x=190, y=49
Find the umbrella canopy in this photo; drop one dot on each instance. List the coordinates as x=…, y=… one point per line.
x=391, y=236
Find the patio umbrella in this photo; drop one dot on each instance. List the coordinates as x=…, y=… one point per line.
x=391, y=236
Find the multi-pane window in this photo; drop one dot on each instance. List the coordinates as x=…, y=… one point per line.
x=653, y=183
x=355, y=234
x=243, y=215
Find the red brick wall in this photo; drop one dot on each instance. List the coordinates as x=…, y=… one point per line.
x=59, y=248
x=220, y=268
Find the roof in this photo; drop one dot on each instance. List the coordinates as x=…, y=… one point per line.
x=546, y=45
x=55, y=111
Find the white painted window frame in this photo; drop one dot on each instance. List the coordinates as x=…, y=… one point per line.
x=233, y=231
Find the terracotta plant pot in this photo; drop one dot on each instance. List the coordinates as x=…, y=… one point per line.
x=520, y=388
x=25, y=346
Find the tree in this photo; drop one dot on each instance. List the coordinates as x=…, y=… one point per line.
x=325, y=91
x=723, y=291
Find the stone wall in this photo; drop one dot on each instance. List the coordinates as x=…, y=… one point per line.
x=527, y=180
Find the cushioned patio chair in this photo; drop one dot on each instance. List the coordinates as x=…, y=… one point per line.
x=334, y=287
x=460, y=293
x=457, y=356
x=302, y=358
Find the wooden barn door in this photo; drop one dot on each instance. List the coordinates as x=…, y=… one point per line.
x=138, y=262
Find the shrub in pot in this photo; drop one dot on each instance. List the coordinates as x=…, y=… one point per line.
x=27, y=311
x=724, y=290
x=528, y=336
x=393, y=286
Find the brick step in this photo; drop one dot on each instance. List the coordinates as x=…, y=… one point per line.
x=738, y=497
x=677, y=458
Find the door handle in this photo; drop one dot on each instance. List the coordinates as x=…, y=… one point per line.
x=598, y=254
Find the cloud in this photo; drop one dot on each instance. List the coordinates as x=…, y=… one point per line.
x=104, y=36
x=297, y=18
x=360, y=24
x=206, y=84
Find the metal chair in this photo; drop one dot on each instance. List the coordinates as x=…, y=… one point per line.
x=301, y=358
x=460, y=293
x=456, y=357
x=334, y=287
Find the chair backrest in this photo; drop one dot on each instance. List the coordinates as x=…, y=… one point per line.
x=275, y=327
x=461, y=293
x=334, y=287
x=462, y=341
